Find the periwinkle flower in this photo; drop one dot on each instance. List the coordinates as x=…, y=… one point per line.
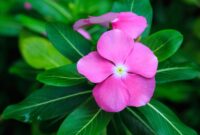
x=123, y=70
x=128, y=22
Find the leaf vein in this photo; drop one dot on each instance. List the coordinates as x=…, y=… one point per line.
x=173, y=68
x=163, y=116
x=162, y=45
x=70, y=43
x=89, y=122
x=54, y=100
x=65, y=77
x=140, y=119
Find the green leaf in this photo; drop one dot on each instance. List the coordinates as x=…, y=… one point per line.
x=40, y=53
x=9, y=26
x=32, y=23
x=88, y=119
x=123, y=6
x=117, y=127
x=163, y=120
x=51, y=125
x=47, y=103
x=89, y=7
x=176, y=72
x=35, y=130
x=175, y=92
x=164, y=43
x=67, y=41
x=192, y=2
x=6, y=6
x=136, y=122
x=51, y=10
x=143, y=8
x=196, y=27
x=62, y=76
x=135, y=7
x=96, y=32
x=23, y=70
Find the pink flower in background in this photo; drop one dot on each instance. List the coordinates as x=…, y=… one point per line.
x=123, y=70
x=84, y=33
x=132, y=24
x=27, y=6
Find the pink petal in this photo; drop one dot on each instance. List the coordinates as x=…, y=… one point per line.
x=142, y=61
x=111, y=95
x=81, y=23
x=132, y=24
x=102, y=20
x=115, y=46
x=94, y=67
x=140, y=89
x=84, y=33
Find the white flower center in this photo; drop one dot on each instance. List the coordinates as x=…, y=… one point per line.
x=120, y=70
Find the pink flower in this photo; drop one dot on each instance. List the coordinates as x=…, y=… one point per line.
x=84, y=33
x=123, y=70
x=27, y=6
x=132, y=24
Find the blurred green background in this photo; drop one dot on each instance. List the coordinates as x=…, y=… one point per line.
x=183, y=97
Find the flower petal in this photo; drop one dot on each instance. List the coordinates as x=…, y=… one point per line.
x=115, y=46
x=111, y=95
x=132, y=24
x=84, y=33
x=104, y=20
x=94, y=67
x=140, y=89
x=81, y=23
x=142, y=61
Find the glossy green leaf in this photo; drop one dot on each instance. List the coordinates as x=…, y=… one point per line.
x=40, y=53
x=125, y=5
x=136, y=122
x=23, y=70
x=135, y=7
x=163, y=120
x=192, y=2
x=196, y=27
x=51, y=10
x=145, y=11
x=88, y=119
x=62, y=76
x=32, y=23
x=51, y=125
x=6, y=6
x=164, y=43
x=9, y=26
x=70, y=43
x=96, y=32
x=117, y=127
x=47, y=103
x=169, y=73
x=175, y=92
x=89, y=7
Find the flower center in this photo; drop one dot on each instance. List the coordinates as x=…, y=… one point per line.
x=120, y=70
